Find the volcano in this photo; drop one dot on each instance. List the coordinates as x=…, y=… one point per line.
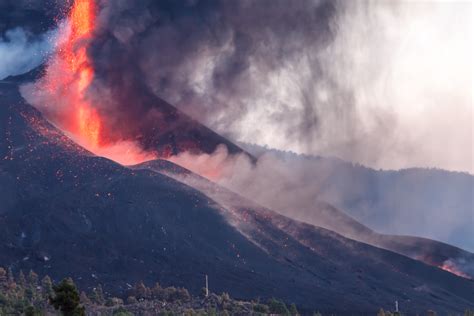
x=66, y=212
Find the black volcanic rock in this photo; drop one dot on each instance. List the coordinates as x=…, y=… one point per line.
x=325, y=215
x=69, y=213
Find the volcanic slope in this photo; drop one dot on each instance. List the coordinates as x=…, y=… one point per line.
x=169, y=131
x=176, y=131
x=65, y=212
x=324, y=215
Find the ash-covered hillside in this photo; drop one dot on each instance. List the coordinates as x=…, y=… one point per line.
x=431, y=203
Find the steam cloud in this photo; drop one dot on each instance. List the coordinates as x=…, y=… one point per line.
x=429, y=203
x=27, y=33
x=21, y=52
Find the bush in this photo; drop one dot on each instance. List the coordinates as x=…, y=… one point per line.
x=113, y=301
x=32, y=311
x=182, y=294
x=132, y=300
x=278, y=307
x=293, y=310
x=260, y=308
x=121, y=312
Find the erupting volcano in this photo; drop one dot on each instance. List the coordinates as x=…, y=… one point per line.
x=62, y=93
x=183, y=201
x=109, y=110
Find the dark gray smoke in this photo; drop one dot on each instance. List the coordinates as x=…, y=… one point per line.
x=319, y=77
x=214, y=60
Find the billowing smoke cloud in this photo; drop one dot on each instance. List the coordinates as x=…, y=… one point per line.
x=201, y=56
x=20, y=51
x=419, y=202
x=27, y=33
x=367, y=81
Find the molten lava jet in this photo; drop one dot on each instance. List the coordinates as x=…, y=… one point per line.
x=70, y=73
x=63, y=91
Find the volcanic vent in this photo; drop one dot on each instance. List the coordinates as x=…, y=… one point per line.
x=94, y=109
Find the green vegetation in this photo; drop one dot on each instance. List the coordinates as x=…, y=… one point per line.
x=66, y=299
x=278, y=307
x=31, y=296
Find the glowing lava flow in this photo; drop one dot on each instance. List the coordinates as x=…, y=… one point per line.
x=62, y=94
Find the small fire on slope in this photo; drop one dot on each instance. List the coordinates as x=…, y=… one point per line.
x=452, y=268
x=63, y=91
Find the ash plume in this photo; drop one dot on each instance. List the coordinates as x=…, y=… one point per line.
x=346, y=79
x=201, y=57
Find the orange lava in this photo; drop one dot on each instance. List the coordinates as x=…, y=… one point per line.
x=69, y=74
x=451, y=268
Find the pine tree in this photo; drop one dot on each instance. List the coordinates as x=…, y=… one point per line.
x=98, y=295
x=85, y=300
x=141, y=291
x=3, y=280
x=11, y=278
x=277, y=307
x=33, y=279
x=157, y=292
x=47, y=286
x=293, y=310
x=22, y=279
x=66, y=299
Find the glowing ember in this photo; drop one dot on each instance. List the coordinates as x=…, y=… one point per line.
x=70, y=73
x=77, y=66
x=450, y=267
x=64, y=89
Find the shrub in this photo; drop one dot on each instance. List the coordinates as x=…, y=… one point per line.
x=132, y=300
x=261, y=308
x=293, y=310
x=278, y=307
x=121, y=312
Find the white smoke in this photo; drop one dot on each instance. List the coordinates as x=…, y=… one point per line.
x=21, y=52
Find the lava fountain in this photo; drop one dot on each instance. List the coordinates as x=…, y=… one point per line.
x=70, y=73
x=62, y=93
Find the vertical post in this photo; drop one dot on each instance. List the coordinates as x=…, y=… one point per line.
x=396, y=306
x=207, y=286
